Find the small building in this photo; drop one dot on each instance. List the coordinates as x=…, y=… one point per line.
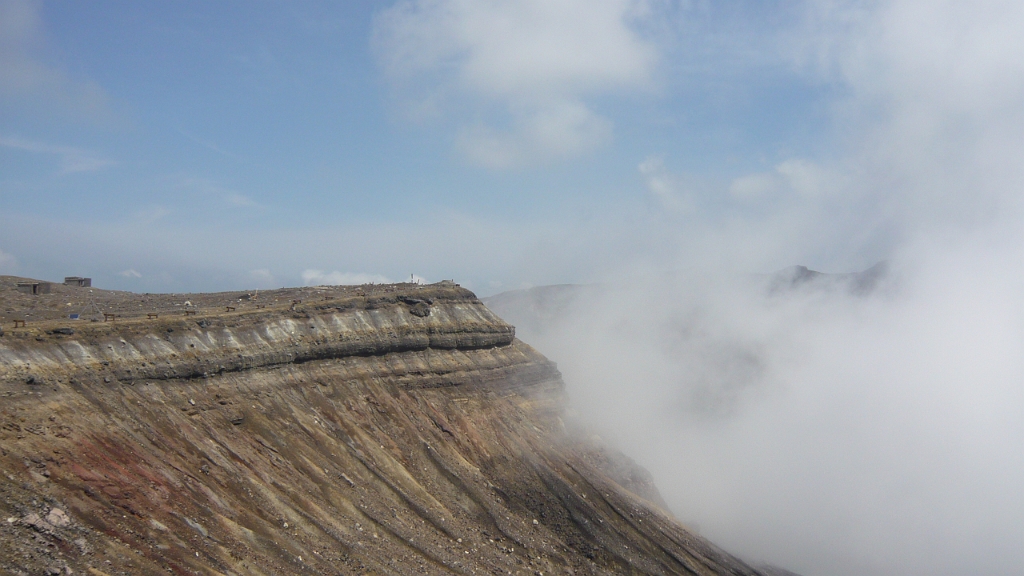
x=77, y=281
x=34, y=287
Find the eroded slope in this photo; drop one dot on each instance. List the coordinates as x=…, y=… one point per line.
x=404, y=431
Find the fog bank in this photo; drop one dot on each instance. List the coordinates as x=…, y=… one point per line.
x=823, y=431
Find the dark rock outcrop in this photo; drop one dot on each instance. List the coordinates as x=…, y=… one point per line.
x=803, y=278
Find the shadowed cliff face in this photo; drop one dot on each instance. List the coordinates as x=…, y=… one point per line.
x=402, y=430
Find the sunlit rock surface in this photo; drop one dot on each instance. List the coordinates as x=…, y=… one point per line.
x=378, y=430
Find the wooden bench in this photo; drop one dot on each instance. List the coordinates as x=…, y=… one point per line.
x=19, y=323
x=190, y=312
x=108, y=317
x=230, y=308
x=152, y=315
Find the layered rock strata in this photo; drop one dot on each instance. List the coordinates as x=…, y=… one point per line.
x=407, y=432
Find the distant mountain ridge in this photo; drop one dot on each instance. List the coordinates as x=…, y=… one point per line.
x=533, y=310
x=801, y=277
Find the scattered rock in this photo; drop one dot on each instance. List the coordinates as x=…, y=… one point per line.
x=35, y=522
x=83, y=546
x=58, y=518
x=64, y=331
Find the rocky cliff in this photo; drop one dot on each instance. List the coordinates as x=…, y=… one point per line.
x=381, y=430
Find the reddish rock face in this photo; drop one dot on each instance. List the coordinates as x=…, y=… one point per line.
x=389, y=430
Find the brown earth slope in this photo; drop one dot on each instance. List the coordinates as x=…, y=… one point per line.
x=379, y=430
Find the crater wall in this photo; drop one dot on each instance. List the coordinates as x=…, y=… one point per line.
x=406, y=432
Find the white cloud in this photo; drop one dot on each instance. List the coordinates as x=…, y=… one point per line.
x=209, y=145
x=934, y=91
x=211, y=188
x=525, y=68
x=665, y=187
x=7, y=262
x=756, y=186
x=130, y=273
x=262, y=276
x=320, y=278
x=71, y=159
x=801, y=178
x=940, y=53
x=242, y=201
x=539, y=133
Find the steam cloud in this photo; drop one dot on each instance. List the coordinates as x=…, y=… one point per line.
x=827, y=432
x=319, y=277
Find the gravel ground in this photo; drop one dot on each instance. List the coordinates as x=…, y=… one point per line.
x=92, y=303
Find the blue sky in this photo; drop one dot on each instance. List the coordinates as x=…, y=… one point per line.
x=169, y=146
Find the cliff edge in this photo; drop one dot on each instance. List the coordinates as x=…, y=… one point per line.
x=396, y=429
